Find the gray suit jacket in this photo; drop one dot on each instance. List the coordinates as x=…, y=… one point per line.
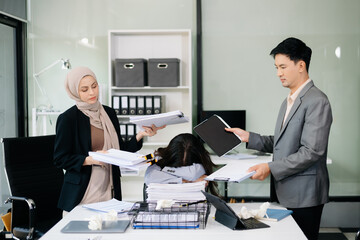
x=300, y=150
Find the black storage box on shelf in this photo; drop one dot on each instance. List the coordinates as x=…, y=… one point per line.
x=164, y=72
x=130, y=72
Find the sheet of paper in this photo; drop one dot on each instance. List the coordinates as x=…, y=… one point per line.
x=232, y=172
x=113, y=204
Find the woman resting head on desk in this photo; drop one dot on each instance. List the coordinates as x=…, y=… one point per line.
x=89, y=126
x=184, y=160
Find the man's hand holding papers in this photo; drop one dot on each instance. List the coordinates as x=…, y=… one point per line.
x=232, y=172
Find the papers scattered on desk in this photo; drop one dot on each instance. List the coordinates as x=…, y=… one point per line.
x=169, y=118
x=121, y=158
x=113, y=204
x=232, y=172
x=180, y=192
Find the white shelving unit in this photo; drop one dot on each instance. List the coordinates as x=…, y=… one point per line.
x=156, y=44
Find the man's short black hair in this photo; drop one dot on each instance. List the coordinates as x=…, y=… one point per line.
x=295, y=49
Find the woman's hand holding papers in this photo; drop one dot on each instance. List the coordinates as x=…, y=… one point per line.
x=89, y=160
x=148, y=131
x=244, y=135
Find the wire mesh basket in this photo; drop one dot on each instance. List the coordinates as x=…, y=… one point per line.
x=181, y=215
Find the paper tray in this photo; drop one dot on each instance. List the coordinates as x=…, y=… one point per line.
x=108, y=227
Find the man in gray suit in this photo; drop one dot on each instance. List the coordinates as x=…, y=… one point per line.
x=299, y=145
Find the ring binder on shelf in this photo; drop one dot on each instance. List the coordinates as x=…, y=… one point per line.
x=157, y=104
x=140, y=105
x=130, y=131
x=148, y=105
x=124, y=105
x=132, y=105
x=123, y=130
x=116, y=104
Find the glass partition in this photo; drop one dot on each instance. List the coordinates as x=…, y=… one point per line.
x=237, y=38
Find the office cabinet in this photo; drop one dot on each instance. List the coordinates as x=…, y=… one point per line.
x=153, y=44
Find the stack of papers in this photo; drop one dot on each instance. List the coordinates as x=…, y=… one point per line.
x=113, y=204
x=174, y=117
x=121, y=158
x=177, y=192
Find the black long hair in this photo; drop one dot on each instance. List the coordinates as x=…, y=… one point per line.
x=184, y=150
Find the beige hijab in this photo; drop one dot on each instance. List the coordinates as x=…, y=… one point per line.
x=96, y=113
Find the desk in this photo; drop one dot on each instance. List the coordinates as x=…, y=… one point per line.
x=282, y=230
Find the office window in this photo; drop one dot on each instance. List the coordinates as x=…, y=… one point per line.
x=237, y=39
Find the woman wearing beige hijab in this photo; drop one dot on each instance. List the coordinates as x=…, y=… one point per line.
x=89, y=126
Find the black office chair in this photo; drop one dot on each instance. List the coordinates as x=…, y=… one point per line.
x=32, y=174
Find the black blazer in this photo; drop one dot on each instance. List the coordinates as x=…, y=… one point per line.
x=72, y=144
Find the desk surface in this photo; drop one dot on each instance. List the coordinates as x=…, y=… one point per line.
x=283, y=229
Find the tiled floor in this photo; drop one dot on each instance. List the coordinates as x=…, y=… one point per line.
x=337, y=233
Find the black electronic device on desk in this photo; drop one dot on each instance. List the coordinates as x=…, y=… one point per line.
x=226, y=216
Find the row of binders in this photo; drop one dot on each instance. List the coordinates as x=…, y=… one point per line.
x=128, y=131
x=137, y=105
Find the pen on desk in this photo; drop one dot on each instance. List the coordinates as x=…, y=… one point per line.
x=192, y=203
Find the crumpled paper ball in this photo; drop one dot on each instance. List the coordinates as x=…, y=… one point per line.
x=96, y=221
x=255, y=213
x=164, y=204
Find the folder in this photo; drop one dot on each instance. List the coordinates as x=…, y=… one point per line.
x=130, y=133
x=212, y=131
x=116, y=104
x=174, y=117
x=148, y=105
x=140, y=105
x=124, y=109
x=123, y=130
x=157, y=104
x=132, y=105
x=276, y=215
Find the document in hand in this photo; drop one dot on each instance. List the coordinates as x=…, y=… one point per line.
x=169, y=118
x=212, y=131
x=121, y=158
x=232, y=172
